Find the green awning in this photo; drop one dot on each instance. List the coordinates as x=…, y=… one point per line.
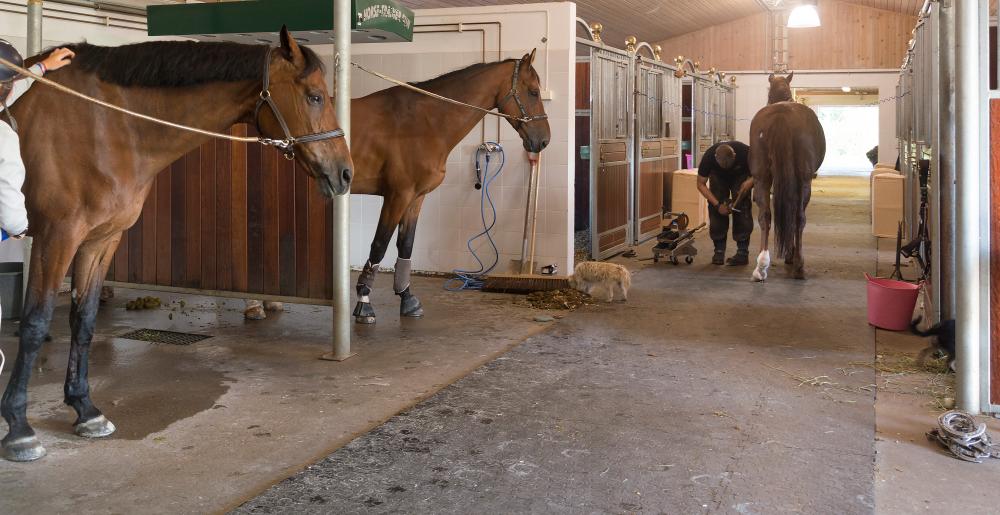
x=258, y=21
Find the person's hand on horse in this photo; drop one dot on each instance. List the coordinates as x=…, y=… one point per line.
x=19, y=236
x=724, y=209
x=58, y=58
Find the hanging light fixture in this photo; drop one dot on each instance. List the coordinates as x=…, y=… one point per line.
x=804, y=15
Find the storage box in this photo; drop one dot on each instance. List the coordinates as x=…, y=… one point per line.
x=685, y=198
x=10, y=290
x=887, y=204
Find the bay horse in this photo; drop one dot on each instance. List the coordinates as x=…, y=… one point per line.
x=90, y=169
x=787, y=147
x=401, y=141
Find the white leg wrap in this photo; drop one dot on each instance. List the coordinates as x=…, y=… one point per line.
x=763, y=263
x=401, y=281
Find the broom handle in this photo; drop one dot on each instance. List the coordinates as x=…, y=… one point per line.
x=530, y=215
x=535, y=171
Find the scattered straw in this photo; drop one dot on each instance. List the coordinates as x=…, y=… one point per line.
x=566, y=299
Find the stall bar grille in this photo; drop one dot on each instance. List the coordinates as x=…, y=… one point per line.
x=168, y=337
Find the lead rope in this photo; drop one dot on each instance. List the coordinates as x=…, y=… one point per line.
x=411, y=87
x=242, y=139
x=967, y=439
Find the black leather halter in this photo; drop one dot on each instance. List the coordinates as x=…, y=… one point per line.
x=525, y=117
x=285, y=145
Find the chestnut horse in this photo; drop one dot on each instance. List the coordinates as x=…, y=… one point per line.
x=403, y=139
x=787, y=147
x=400, y=142
x=89, y=170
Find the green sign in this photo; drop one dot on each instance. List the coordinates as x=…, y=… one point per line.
x=258, y=21
x=585, y=152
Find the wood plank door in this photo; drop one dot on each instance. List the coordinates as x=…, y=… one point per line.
x=611, y=152
x=231, y=217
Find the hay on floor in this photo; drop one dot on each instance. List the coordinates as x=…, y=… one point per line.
x=565, y=299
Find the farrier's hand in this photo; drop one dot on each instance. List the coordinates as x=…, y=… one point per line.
x=724, y=209
x=20, y=236
x=58, y=58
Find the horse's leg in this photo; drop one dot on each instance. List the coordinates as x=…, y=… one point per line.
x=762, y=197
x=393, y=208
x=799, y=264
x=409, y=305
x=50, y=260
x=92, y=262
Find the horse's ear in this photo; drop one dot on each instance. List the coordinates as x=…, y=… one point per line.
x=770, y=78
x=789, y=78
x=530, y=58
x=290, y=48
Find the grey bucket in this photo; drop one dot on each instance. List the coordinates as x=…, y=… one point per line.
x=10, y=289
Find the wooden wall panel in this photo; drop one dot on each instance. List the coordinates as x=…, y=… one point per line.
x=851, y=37
x=233, y=217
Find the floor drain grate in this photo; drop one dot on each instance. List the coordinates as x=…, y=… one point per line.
x=168, y=337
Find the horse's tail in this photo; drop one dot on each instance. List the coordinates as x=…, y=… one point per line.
x=787, y=185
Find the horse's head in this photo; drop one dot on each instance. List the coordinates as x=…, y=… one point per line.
x=780, y=89
x=298, y=90
x=521, y=98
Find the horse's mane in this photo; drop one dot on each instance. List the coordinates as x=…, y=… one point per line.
x=178, y=63
x=456, y=73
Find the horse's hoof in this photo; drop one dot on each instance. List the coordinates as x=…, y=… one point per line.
x=255, y=313
x=97, y=427
x=274, y=306
x=27, y=448
x=410, y=306
x=799, y=274
x=364, y=320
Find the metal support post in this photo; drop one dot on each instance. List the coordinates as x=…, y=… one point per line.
x=968, y=163
x=946, y=174
x=342, y=203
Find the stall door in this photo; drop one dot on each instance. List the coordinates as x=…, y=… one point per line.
x=611, y=153
x=657, y=126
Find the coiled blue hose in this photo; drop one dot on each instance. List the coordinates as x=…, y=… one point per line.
x=473, y=279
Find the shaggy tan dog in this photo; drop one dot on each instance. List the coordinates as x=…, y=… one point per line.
x=609, y=276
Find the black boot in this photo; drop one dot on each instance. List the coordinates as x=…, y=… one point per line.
x=719, y=257
x=741, y=258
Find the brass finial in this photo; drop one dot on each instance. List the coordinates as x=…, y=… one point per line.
x=596, y=28
x=657, y=51
x=630, y=43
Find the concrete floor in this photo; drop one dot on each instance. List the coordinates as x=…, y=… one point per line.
x=207, y=426
x=705, y=393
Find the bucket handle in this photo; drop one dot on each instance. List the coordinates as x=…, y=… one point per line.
x=920, y=284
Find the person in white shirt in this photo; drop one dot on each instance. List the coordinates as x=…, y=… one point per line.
x=13, y=216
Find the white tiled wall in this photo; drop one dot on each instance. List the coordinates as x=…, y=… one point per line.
x=451, y=214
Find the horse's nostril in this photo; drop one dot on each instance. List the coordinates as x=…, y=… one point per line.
x=545, y=143
x=346, y=175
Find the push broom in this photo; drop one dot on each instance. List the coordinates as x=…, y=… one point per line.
x=525, y=281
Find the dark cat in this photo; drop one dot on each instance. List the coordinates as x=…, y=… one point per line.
x=944, y=341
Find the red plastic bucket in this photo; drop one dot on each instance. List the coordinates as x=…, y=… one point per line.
x=890, y=303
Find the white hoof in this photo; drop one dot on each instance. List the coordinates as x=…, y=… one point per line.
x=763, y=263
x=95, y=428
x=23, y=449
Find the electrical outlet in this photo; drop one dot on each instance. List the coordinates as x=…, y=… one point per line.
x=548, y=94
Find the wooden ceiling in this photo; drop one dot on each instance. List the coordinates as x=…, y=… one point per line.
x=656, y=20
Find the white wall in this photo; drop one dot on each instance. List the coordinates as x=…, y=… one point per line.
x=450, y=214
x=87, y=27
x=751, y=96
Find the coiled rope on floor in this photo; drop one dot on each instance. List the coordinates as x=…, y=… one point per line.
x=967, y=439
